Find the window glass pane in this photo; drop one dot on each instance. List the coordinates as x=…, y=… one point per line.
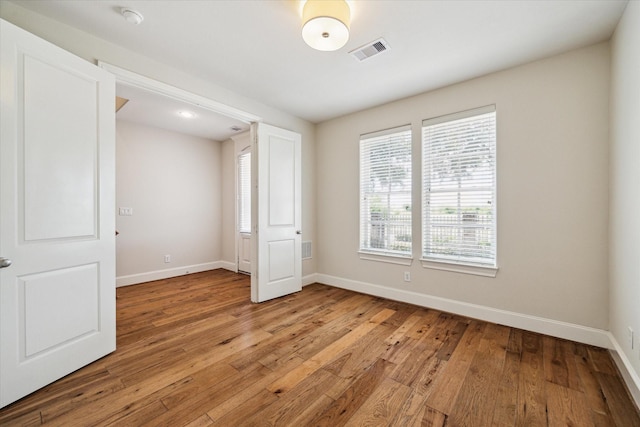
x=385, y=192
x=459, y=189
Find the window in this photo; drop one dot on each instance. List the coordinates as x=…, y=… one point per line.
x=244, y=193
x=385, y=192
x=459, y=188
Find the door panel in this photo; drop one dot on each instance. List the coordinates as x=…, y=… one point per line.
x=280, y=254
x=43, y=296
x=59, y=179
x=244, y=253
x=277, y=264
x=281, y=182
x=57, y=218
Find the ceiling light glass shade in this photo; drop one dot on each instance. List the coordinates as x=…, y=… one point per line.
x=325, y=24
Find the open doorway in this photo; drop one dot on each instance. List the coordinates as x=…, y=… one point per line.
x=176, y=186
x=275, y=237
x=244, y=208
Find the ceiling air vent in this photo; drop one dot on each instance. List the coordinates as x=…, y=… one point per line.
x=370, y=49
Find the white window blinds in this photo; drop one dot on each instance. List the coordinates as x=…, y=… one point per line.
x=244, y=193
x=459, y=187
x=385, y=192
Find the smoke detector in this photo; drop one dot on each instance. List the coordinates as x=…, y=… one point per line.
x=132, y=16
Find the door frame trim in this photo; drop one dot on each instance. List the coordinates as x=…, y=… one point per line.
x=133, y=79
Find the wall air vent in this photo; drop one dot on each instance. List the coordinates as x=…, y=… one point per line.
x=306, y=250
x=370, y=49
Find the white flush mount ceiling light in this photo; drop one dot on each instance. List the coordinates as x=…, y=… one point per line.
x=132, y=16
x=325, y=24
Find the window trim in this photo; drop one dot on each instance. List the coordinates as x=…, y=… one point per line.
x=460, y=267
x=387, y=257
x=459, y=115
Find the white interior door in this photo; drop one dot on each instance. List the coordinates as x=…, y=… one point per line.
x=277, y=261
x=244, y=211
x=57, y=219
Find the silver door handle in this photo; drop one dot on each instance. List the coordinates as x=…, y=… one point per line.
x=5, y=262
x=298, y=232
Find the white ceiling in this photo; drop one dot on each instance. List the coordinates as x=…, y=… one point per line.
x=153, y=109
x=254, y=48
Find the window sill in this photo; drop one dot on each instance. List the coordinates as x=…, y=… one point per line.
x=476, y=270
x=388, y=258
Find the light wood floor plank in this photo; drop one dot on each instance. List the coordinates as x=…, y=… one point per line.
x=383, y=406
x=476, y=401
x=347, y=404
x=292, y=406
x=235, y=400
x=531, y=399
x=447, y=385
x=429, y=417
x=616, y=397
x=567, y=407
x=328, y=353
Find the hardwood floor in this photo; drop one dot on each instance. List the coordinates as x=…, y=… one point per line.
x=194, y=351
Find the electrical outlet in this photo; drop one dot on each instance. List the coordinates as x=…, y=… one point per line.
x=630, y=336
x=407, y=276
x=167, y=259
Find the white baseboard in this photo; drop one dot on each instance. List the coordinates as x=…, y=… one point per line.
x=555, y=328
x=228, y=265
x=629, y=375
x=149, y=276
x=309, y=279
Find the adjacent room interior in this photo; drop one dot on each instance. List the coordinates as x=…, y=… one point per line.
x=170, y=157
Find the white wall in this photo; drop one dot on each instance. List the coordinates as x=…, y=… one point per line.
x=93, y=49
x=173, y=182
x=624, y=257
x=552, y=154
